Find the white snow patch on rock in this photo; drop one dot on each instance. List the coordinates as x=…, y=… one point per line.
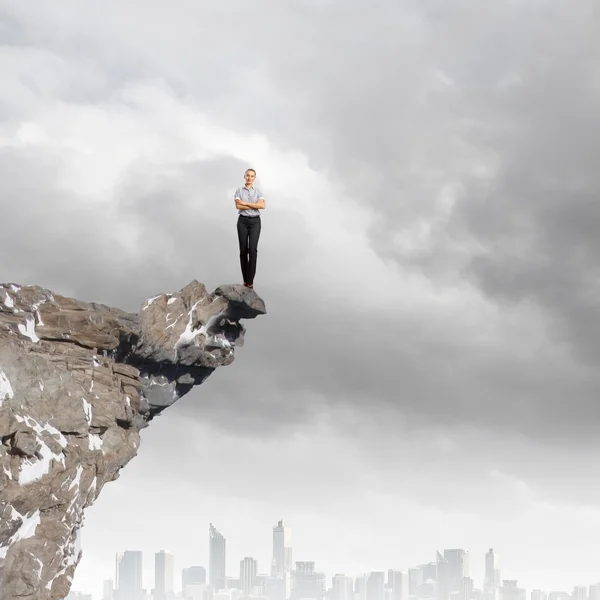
x=6, y=390
x=95, y=441
x=189, y=334
x=47, y=428
x=33, y=470
x=28, y=330
x=26, y=530
x=77, y=479
x=150, y=301
x=187, y=337
x=174, y=322
x=87, y=408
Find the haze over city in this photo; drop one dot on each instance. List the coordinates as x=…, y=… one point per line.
x=449, y=576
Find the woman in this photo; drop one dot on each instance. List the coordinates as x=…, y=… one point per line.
x=249, y=201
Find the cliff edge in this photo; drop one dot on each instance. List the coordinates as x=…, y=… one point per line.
x=78, y=381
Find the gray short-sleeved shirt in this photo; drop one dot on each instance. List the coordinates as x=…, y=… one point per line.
x=251, y=195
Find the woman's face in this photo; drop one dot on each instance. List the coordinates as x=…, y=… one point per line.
x=250, y=176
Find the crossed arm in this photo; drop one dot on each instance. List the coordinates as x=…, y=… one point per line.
x=244, y=205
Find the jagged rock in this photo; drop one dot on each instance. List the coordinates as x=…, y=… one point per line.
x=78, y=381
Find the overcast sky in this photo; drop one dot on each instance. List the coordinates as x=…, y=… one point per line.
x=426, y=376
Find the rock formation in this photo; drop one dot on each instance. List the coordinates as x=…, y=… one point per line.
x=78, y=381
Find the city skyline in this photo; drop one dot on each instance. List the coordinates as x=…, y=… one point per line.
x=435, y=580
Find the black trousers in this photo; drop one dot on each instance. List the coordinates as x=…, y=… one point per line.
x=248, y=229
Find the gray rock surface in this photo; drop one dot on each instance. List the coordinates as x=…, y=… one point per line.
x=78, y=381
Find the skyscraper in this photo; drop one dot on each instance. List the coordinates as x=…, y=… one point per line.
x=376, y=585
x=217, y=559
x=415, y=578
x=492, y=580
x=511, y=591
x=248, y=573
x=108, y=590
x=360, y=587
x=308, y=583
x=281, y=566
x=397, y=583
x=467, y=588
x=282, y=550
x=193, y=576
x=594, y=593
x=429, y=572
x=579, y=593
x=342, y=587
x=273, y=588
x=129, y=575
x=452, y=567
x=422, y=580
x=164, y=572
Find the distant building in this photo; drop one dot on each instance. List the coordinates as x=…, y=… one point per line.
x=467, y=591
x=492, y=580
x=540, y=595
x=511, y=591
x=452, y=568
x=376, y=585
x=78, y=596
x=217, y=559
x=164, y=575
x=342, y=587
x=282, y=550
x=227, y=594
x=281, y=565
x=233, y=583
x=307, y=583
x=129, y=575
x=273, y=588
x=594, y=593
x=360, y=587
x=196, y=591
x=248, y=573
x=397, y=584
x=108, y=592
x=414, y=580
x=193, y=576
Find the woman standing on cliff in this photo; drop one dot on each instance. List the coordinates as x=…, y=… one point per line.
x=249, y=201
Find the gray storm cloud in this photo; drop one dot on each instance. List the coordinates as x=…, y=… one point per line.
x=476, y=129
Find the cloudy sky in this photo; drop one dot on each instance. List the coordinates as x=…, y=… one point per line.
x=426, y=377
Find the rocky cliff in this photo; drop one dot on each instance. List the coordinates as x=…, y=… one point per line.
x=78, y=381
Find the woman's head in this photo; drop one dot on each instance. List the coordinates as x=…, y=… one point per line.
x=250, y=175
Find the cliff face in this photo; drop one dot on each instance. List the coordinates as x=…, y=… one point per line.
x=78, y=381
